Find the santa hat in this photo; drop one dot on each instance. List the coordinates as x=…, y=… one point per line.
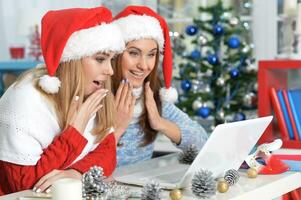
x=137, y=22
x=72, y=34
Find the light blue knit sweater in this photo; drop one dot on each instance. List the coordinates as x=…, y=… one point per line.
x=129, y=151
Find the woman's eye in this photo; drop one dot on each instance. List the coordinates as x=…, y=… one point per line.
x=133, y=53
x=151, y=55
x=100, y=59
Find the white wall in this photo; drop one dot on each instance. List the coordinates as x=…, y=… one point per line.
x=17, y=17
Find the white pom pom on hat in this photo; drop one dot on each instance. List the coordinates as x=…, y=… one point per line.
x=71, y=34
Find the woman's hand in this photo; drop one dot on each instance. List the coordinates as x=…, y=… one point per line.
x=43, y=185
x=158, y=123
x=152, y=110
x=83, y=113
x=125, y=103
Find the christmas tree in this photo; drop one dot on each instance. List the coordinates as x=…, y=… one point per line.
x=35, y=44
x=218, y=77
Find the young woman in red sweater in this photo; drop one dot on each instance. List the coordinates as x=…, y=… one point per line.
x=56, y=120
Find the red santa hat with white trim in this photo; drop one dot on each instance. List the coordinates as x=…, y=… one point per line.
x=71, y=34
x=137, y=22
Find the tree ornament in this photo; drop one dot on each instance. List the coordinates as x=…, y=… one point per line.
x=93, y=183
x=246, y=49
x=189, y=154
x=203, y=112
x=151, y=191
x=203, y=184
x=234, y=73
x=248, y=99
x=196, y=104
x=207, y=88
x=203, y=40
x=218, y=29
x=246, y=25
x=231, y=176
x=220, y=81
x=252, y=173
x=175, y=194
x=234, y=42
x=239, y=116
x=233, y=21
x=191, y=30
x=220, y=115
x=212, y=59
x=195, y=54
x=185, y=85
x=222, y=186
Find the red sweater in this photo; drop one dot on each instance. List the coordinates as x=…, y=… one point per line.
x=58, y=155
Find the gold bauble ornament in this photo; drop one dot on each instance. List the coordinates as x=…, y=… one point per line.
x=175, y=194
x=252, y=173
x=222, y=186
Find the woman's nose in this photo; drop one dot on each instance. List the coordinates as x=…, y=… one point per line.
x=109, y=70
x=143, y=63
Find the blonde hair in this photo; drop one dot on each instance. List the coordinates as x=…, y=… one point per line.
x=72, y=85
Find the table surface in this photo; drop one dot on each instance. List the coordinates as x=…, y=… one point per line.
x=263, y=187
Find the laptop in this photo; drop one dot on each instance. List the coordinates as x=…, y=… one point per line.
x=226, y=148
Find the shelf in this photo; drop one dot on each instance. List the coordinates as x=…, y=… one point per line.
x=274, y=73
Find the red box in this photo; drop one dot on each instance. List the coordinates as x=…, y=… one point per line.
x=274, y=73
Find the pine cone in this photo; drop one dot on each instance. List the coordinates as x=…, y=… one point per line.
x=188, y=155
x=231, y=176
x=203, y=184
x=93, y=183
x=151, y=191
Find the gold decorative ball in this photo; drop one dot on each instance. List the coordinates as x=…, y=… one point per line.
x=175, y=194
x=252, y=173
x=222, y=186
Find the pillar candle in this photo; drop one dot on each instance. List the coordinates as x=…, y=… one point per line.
x=290, y=7
x=67, y=188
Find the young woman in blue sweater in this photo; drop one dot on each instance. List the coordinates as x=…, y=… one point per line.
x=143, y=109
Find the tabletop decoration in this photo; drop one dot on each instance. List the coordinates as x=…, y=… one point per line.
x=231, y=176
x=188, y=155
x=203, y=184
x=94, y=186
x=175, y=194
x=151, y=191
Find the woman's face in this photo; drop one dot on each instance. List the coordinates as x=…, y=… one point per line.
x=138, y=60
x=97, y=69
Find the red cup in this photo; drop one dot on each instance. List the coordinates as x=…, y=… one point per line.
x=17, y=52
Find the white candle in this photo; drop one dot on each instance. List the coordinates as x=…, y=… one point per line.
x=67, y=188
x=298, y=20
x=290, y=7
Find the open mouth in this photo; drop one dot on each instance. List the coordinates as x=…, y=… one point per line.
x=137, y=74
x=98, y=84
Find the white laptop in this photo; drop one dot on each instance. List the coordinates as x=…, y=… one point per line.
x=226, y=148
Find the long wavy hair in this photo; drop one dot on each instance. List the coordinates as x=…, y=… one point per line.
x=72, y=84
x=155, y=84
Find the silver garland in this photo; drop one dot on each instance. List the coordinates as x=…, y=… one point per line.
x=94, y=186
x=231, y=176
x=203, y=184
x=151, y=191
x=188, y=155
